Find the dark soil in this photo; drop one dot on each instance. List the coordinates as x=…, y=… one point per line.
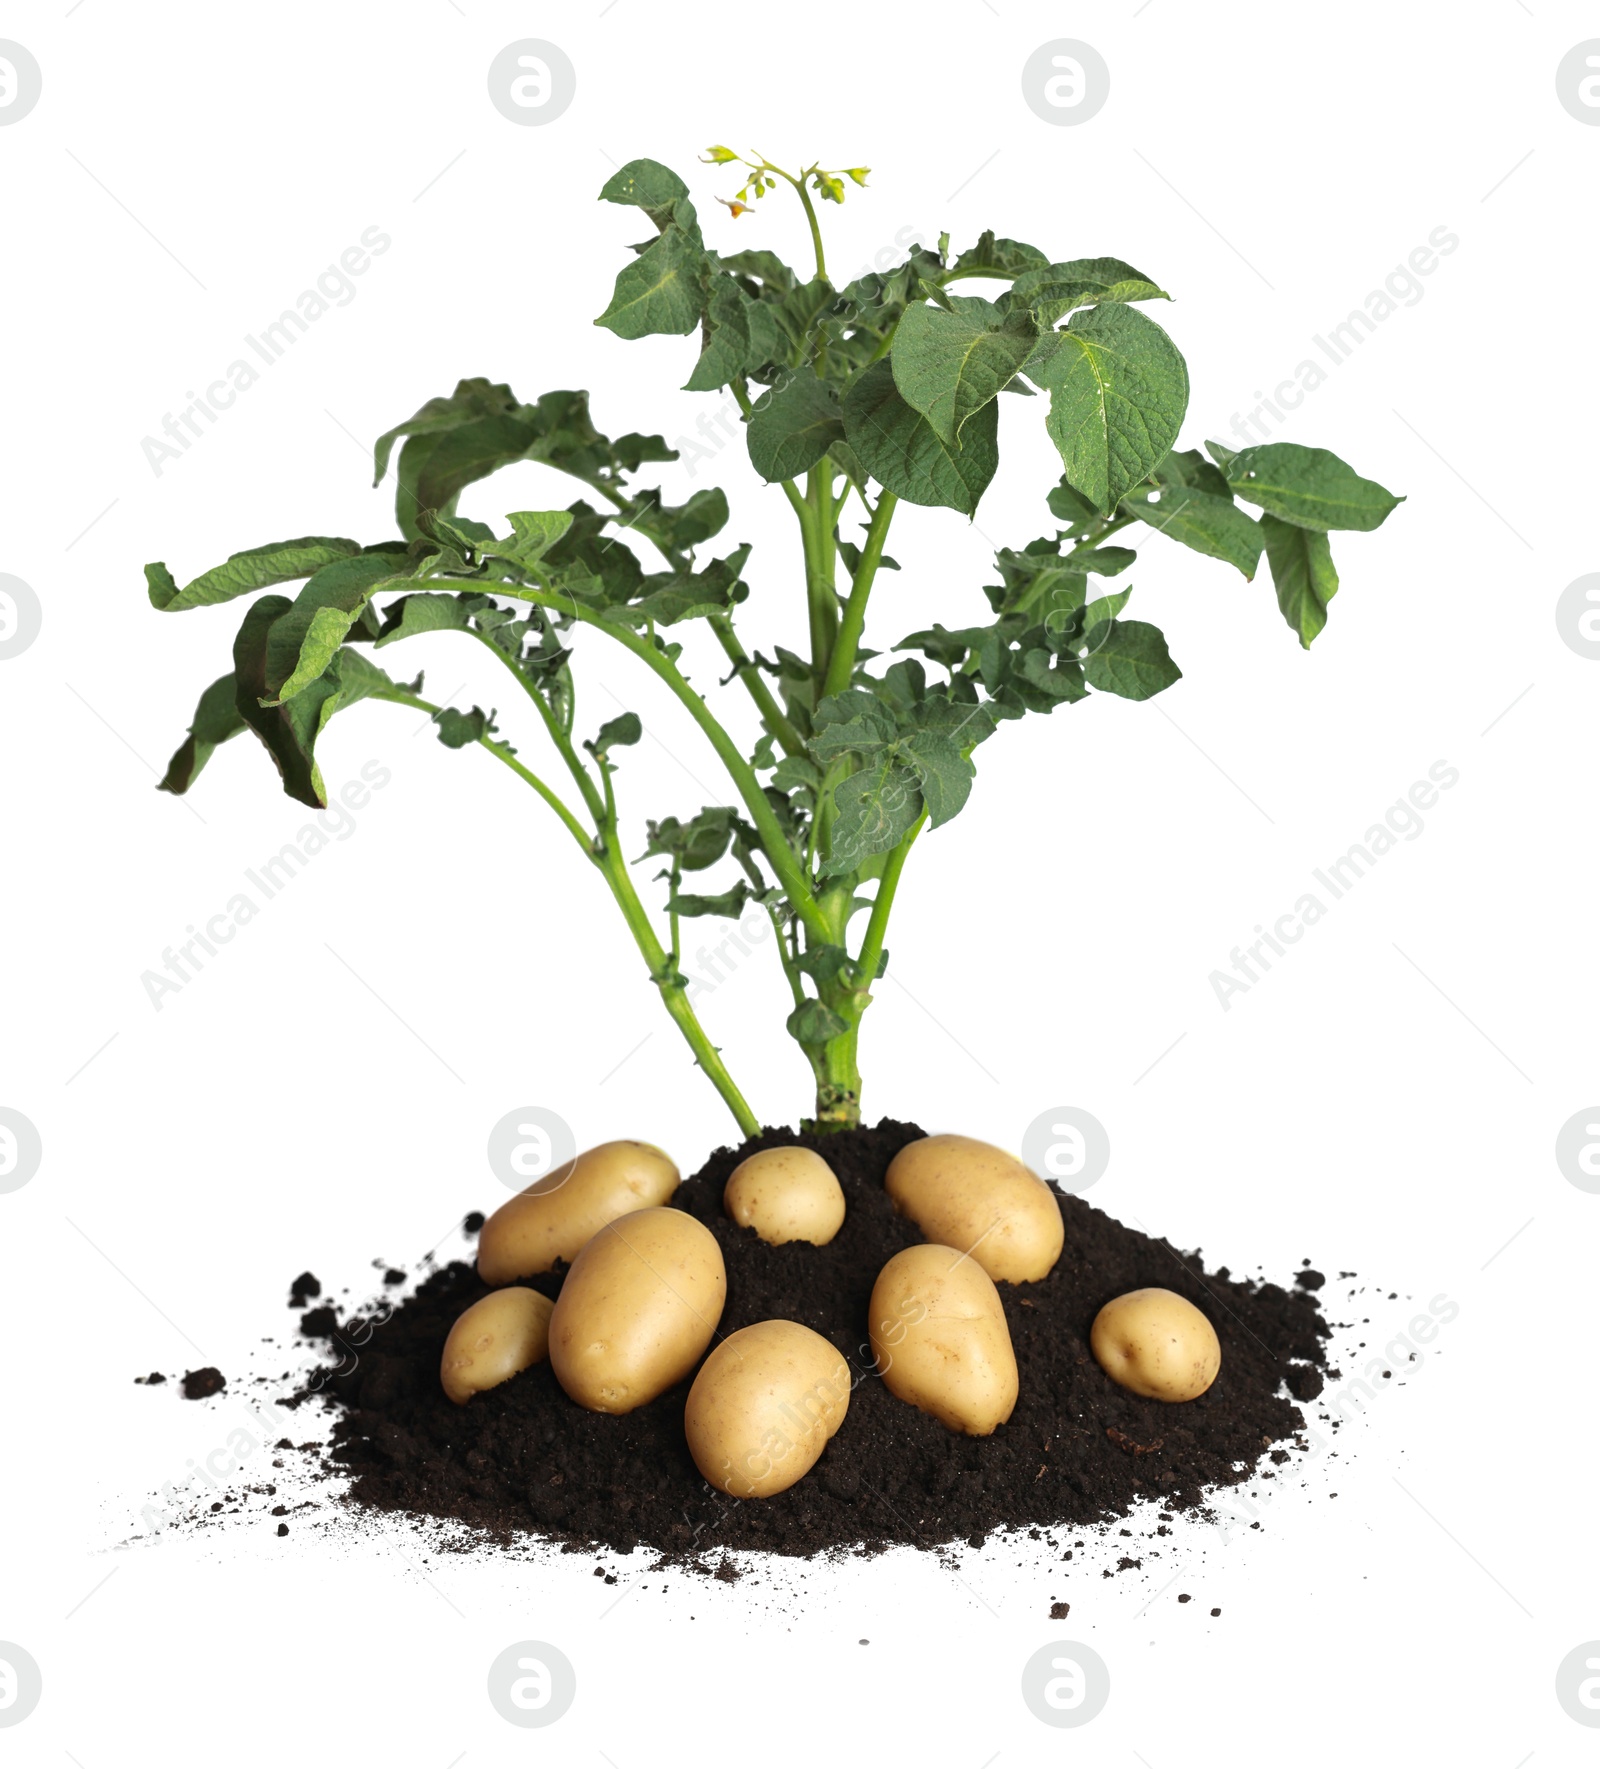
x=1077, y=1449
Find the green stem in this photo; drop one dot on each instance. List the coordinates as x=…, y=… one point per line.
x=773, y=842
x=604, y=851
x=401, y=697
x=871, y=952
x=558, y=737
x=665, y=975
x=841, y=666
x=772, y=715
x=822, y=597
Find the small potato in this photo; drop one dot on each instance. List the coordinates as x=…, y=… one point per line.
x=557, y=1215
x=941, y=1341
x=764, y=1406
x=974, y=1197
x=786, y=1195
x=1156, y=1343
x=637, y=1310
x=499, y=1337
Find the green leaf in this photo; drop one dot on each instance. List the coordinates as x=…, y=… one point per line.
x=824, y=963
x=1058, y=288
x=875, y=809
x=1309, y=487
x=482, y=427
x=793, y=427
x=739, y=336
x=729, y=903
x=676, y=528
x=943, y=772
x=1303, y=575
x=423, y=613
x=814, y=1023
x=697, y=844
x=1103, y=561
x=647, y=185
x=289, y=731
x=216, y=719
x=1211, y=525
x=660, y=291
x=999, y=258
x=950, y=365
x=302, y=641
x=279, y=562
x=672, y=596
x=457, y=729
x=795, y=772
x=1118, y=392
x=903, y=452
x=473, y=398
x=534, y=533
x=616, y=734
x=360, y=679
x=1189, y=467
x=1131, y=660
x=854, y=721
x=1069, y=506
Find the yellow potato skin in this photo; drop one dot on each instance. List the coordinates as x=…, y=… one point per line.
x=1157, y=1344
x=637, y=1310
x=940, y=1337
x=557, y=1215
x=499, y=1337
x=763, y=1407
x=786, y=1195
x=974, y=1197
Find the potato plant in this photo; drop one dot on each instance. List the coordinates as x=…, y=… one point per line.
x=857, y=401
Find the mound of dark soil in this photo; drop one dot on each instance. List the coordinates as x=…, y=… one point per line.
x=1077, y=1449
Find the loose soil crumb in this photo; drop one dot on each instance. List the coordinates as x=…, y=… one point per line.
x=202, y=1384
x=1077, y=1449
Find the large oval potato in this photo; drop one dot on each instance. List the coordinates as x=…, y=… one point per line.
x=764, y=1406
x=1157, y=1343
x=789, y=1194
x=941, y=1340
x=499, y=1337
x=637, y=1310
x=978, y=1199
x=556, y=1216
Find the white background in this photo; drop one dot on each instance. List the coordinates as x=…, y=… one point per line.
x=1385, y=1101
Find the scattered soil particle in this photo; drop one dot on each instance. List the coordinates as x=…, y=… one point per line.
x=472, y=1222
x=523, y=1458
x=203, y=1383
x=153, y=1380
x=1216, y=1612
x=394, y=1277
x=283, y=1529
x=1184, y=1597
x=306, y=1288
x=1060, y=1611
x=1304, y=1381
x=1310, y=1280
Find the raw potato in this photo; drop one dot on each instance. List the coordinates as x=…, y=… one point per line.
x=1156, y=1343
x=786, y=1195
x=637, y=1310
x=941, y=1341
x=557, y=1215
x=499, y=1337
x=764, y=1406
x=972, y=1196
